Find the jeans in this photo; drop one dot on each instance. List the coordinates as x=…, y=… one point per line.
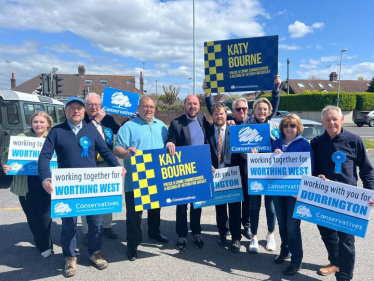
x=289, y=229
x=255, y=212
x=340, y=247
x=181, y=223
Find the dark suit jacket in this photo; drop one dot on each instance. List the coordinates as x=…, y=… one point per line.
x=179, y=133
x=108, y=122
x=229, y=158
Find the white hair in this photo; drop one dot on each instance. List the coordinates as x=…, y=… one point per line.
x=329, y=108
x=239, y=100
x=92, y=94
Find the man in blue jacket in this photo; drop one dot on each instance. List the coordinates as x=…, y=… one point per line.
x=64, y=140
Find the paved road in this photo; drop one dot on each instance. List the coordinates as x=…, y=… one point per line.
x=19, y=259
x=364, y=132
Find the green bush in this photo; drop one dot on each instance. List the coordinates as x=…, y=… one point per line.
x=365, y=101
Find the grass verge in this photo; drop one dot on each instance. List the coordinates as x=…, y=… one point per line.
x=369, y=143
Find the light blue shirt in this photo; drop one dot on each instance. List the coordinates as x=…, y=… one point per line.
x=75, y=129
x=143, y=136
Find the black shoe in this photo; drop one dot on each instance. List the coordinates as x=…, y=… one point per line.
x=228, y=233
x=199, y=243
x=181, y=243
x=235, y=246
x=108, y=232
x=247, y=233
x=160, y=238
x=132, y=253
x=291, y=270
x=85, y=240
x=222, y=240
x=281, y=258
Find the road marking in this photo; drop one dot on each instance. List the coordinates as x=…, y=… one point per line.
x=10, y=208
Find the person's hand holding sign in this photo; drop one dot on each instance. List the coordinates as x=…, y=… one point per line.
x=6, y=168
x=277, y=81
x=47, y=185
x=171, y=148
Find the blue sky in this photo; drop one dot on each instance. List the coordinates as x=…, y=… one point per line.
x=116, y=37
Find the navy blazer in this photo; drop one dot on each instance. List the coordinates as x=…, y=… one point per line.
x=107, y=122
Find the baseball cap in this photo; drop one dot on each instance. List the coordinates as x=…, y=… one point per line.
x=72, y=99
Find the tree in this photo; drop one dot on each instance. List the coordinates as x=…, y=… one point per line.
x=201, y=99
x=371, y=86
x=233, y=96
x=360, y=78
x=171, y=94
x=314, y=77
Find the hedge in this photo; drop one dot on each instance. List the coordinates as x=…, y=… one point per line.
x=365, y=101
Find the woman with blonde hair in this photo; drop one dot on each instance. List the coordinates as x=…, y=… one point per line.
x=35, y=201
x=290, y=140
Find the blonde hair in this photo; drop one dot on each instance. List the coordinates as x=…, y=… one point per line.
x=46, y=116
x=264, y=100
x=292, y=118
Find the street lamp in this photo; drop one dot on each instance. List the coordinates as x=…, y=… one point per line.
x=189, y=79
x=340, y=74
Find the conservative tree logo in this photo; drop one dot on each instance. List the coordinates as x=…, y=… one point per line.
x=303, y=211
x=121, y=100
x=248, y=136
x=256, y=186
x=62, y=208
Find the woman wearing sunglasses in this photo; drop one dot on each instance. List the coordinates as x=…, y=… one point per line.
x=290, y=140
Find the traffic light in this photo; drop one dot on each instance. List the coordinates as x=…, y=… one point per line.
x=45, y=84
x=84, y=91
x=58, y=84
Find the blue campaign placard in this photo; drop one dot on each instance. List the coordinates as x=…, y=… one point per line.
x=245, y=64
x=334, y=205
x=227, y=187
x=162, y=180
x=244, y=138
x=273, y=187
x=120, y=102
x=26, y=167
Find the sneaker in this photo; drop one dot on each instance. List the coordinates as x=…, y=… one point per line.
x=132, y=253
x=98, y=260
x=70, y=268
x=270, y=242
x=85, y=240
x=108, y=232
x=199, y=243
x=253, y=246
x=181, y=243
x=47, y=253
x=235, y=246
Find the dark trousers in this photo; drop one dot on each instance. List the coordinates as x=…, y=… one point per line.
x=181, y=223
x=69, y=235
x=340, y=247
x=134, y=222
x=234, y=219
x=37, y=208
x=289, y=229
x=246, y=203
x=255, y=212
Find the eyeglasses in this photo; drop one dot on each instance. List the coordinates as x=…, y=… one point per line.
x=93, y=104
x=238, y=109
x=292, y=126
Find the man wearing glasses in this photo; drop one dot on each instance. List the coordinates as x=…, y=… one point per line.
x=240, y=110
x=97, y=115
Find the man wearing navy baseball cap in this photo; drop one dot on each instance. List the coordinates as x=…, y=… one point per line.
x=66, y=140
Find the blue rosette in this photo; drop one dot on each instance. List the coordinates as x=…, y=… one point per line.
x=338, y=158
x=85, y=143
x=275, y=132
x=109, y=135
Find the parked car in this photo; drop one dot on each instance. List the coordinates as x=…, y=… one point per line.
x=278, y=114
x=365, y=117
x=311, y=128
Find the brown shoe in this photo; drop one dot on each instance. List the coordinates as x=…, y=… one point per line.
x=328, y=269
x=98, y=261
x=70, y=268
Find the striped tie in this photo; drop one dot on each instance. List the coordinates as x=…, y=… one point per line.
x=219, y=148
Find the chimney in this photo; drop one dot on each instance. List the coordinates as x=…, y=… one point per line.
x=81, y=70
x=13, y=83
x=333, y=76
x=141, y=81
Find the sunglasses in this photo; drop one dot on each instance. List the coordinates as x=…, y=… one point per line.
x=238, y=109
x=292, y=126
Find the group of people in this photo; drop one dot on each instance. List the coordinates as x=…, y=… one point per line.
x=144, y=131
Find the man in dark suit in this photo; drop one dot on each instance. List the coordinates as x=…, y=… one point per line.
x=218, y=138
x=188, y=129
x=95, y=114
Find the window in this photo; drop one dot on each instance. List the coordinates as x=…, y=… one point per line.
x=88, y=81
x=319, y=84
x=103, y=81
x=61, y=113
x=12, y=112
x=30, y=109
x=301, y=85
x=52, y=112
x=311, y=85
x=331, y=85
x=128, y=82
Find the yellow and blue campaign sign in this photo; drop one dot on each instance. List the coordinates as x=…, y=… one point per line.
x=86, y=191
x=246, y=64
x=334, y=205
x=24, y=154
x=227, y=187
x=120, y=102
x=244, y=138
x=277, y=173
x=162, y=180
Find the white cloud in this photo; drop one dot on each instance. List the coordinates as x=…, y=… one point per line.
x=299, y=29
x=318, y=46
x=288, y=47
x=330, y=58
x=27, y=47
x=65, y=48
